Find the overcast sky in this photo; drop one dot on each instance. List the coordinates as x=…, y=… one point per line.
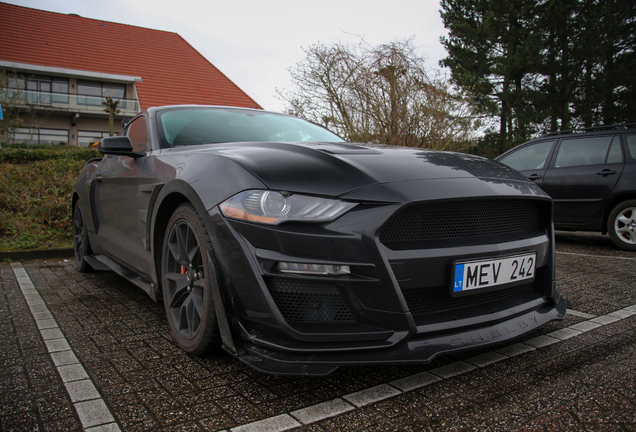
x=255, y=42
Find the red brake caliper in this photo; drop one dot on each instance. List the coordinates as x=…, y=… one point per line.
x=183, y=270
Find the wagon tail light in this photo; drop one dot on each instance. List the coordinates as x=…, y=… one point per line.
x=272, y=207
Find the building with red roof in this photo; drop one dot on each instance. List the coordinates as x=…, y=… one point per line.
x=63, y=66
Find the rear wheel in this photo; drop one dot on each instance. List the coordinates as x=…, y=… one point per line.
x=81, y=246
x=188, y=281
x=621, y=225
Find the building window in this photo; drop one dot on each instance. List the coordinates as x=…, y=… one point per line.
x=59, y=88
x=41, y=90
x=40, y=136
x=88, y=138
x=96, y=91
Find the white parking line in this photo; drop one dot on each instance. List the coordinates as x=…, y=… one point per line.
x=581, y=314
x=596, y=256
x=325, y=410
x=88, y=403
x=371, y=395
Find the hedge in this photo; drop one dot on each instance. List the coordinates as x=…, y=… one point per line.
x=36, y=183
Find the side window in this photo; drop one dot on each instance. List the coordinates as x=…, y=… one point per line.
x=583, y=151
x=137, y=131
x=631, y=143
x=614, y=155
x=528, y=158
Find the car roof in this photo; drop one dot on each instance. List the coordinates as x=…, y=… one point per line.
x=597, y=130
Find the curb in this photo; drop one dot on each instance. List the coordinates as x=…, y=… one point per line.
x=35, y=254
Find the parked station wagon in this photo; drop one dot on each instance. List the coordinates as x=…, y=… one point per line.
x=590, y=174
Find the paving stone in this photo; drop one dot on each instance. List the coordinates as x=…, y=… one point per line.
x=275, y=424
x=486, y=359
x=93, y=413
x=415, y=381
x=322, y=411
x=541, y=341
x=605, y=319
x=452, y=369
x=82, y=390
x=371, y=395
x=514, y=349
x=585, y=326
x=62, y=358
x=72, y=372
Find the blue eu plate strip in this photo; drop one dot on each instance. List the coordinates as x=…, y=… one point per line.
x=459, y=277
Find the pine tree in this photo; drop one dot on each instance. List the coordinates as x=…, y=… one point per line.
x=494, y=51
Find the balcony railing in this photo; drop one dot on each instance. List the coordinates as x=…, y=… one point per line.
x=70, y=102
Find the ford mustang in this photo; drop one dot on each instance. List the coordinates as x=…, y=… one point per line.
x=296, y=252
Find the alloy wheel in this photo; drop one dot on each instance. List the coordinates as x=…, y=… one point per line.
x=184, y=280
x=625, y=225
x=78, y=234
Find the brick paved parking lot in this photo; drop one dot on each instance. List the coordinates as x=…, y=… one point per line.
x=93, y=352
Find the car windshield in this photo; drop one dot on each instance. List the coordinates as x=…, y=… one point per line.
x=195, y=126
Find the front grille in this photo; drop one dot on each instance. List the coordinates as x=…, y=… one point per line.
x=431, y=301
x=309, y=301
x=460, y=220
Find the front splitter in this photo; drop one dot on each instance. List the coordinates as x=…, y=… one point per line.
x=419, y=349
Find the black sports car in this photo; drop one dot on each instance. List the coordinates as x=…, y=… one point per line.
x=298, y=253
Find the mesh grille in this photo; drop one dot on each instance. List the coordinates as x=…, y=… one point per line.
x=308, y=301
x=461, y=220
x=430, y=301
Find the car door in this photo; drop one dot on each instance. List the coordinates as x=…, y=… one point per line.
x=584, y=172
x=116, y=198
x=531, y=160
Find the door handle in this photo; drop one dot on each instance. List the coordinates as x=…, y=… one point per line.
x=606, y=172
x=535, y=177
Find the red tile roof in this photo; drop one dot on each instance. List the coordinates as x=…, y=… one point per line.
x=173, y=72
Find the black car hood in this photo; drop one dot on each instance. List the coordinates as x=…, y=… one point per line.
x=337, y=169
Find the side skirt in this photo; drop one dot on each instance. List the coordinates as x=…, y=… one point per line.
x=124, y=272
x=95, y=264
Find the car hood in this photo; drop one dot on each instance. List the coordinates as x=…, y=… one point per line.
x=337, y=169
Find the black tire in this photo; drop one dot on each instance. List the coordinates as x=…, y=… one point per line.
x=621, y=225
x=188, y=281
x=81, y=245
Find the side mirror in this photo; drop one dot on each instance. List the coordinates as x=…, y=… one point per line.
x=118, y=145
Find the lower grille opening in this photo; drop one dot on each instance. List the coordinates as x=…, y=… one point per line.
x=309, y=301
x=436, y=304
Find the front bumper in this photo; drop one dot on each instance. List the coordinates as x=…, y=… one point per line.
x=394, y=307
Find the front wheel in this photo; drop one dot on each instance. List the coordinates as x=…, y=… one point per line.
x=621, y=225
x=81, y=246
x=188, y=280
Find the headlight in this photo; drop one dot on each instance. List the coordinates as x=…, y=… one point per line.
x=273, y=207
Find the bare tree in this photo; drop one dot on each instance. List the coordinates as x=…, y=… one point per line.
x=15, y=111
x=380, y=94
x=110, y=107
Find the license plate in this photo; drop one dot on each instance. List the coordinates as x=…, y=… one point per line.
x=489, y=273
